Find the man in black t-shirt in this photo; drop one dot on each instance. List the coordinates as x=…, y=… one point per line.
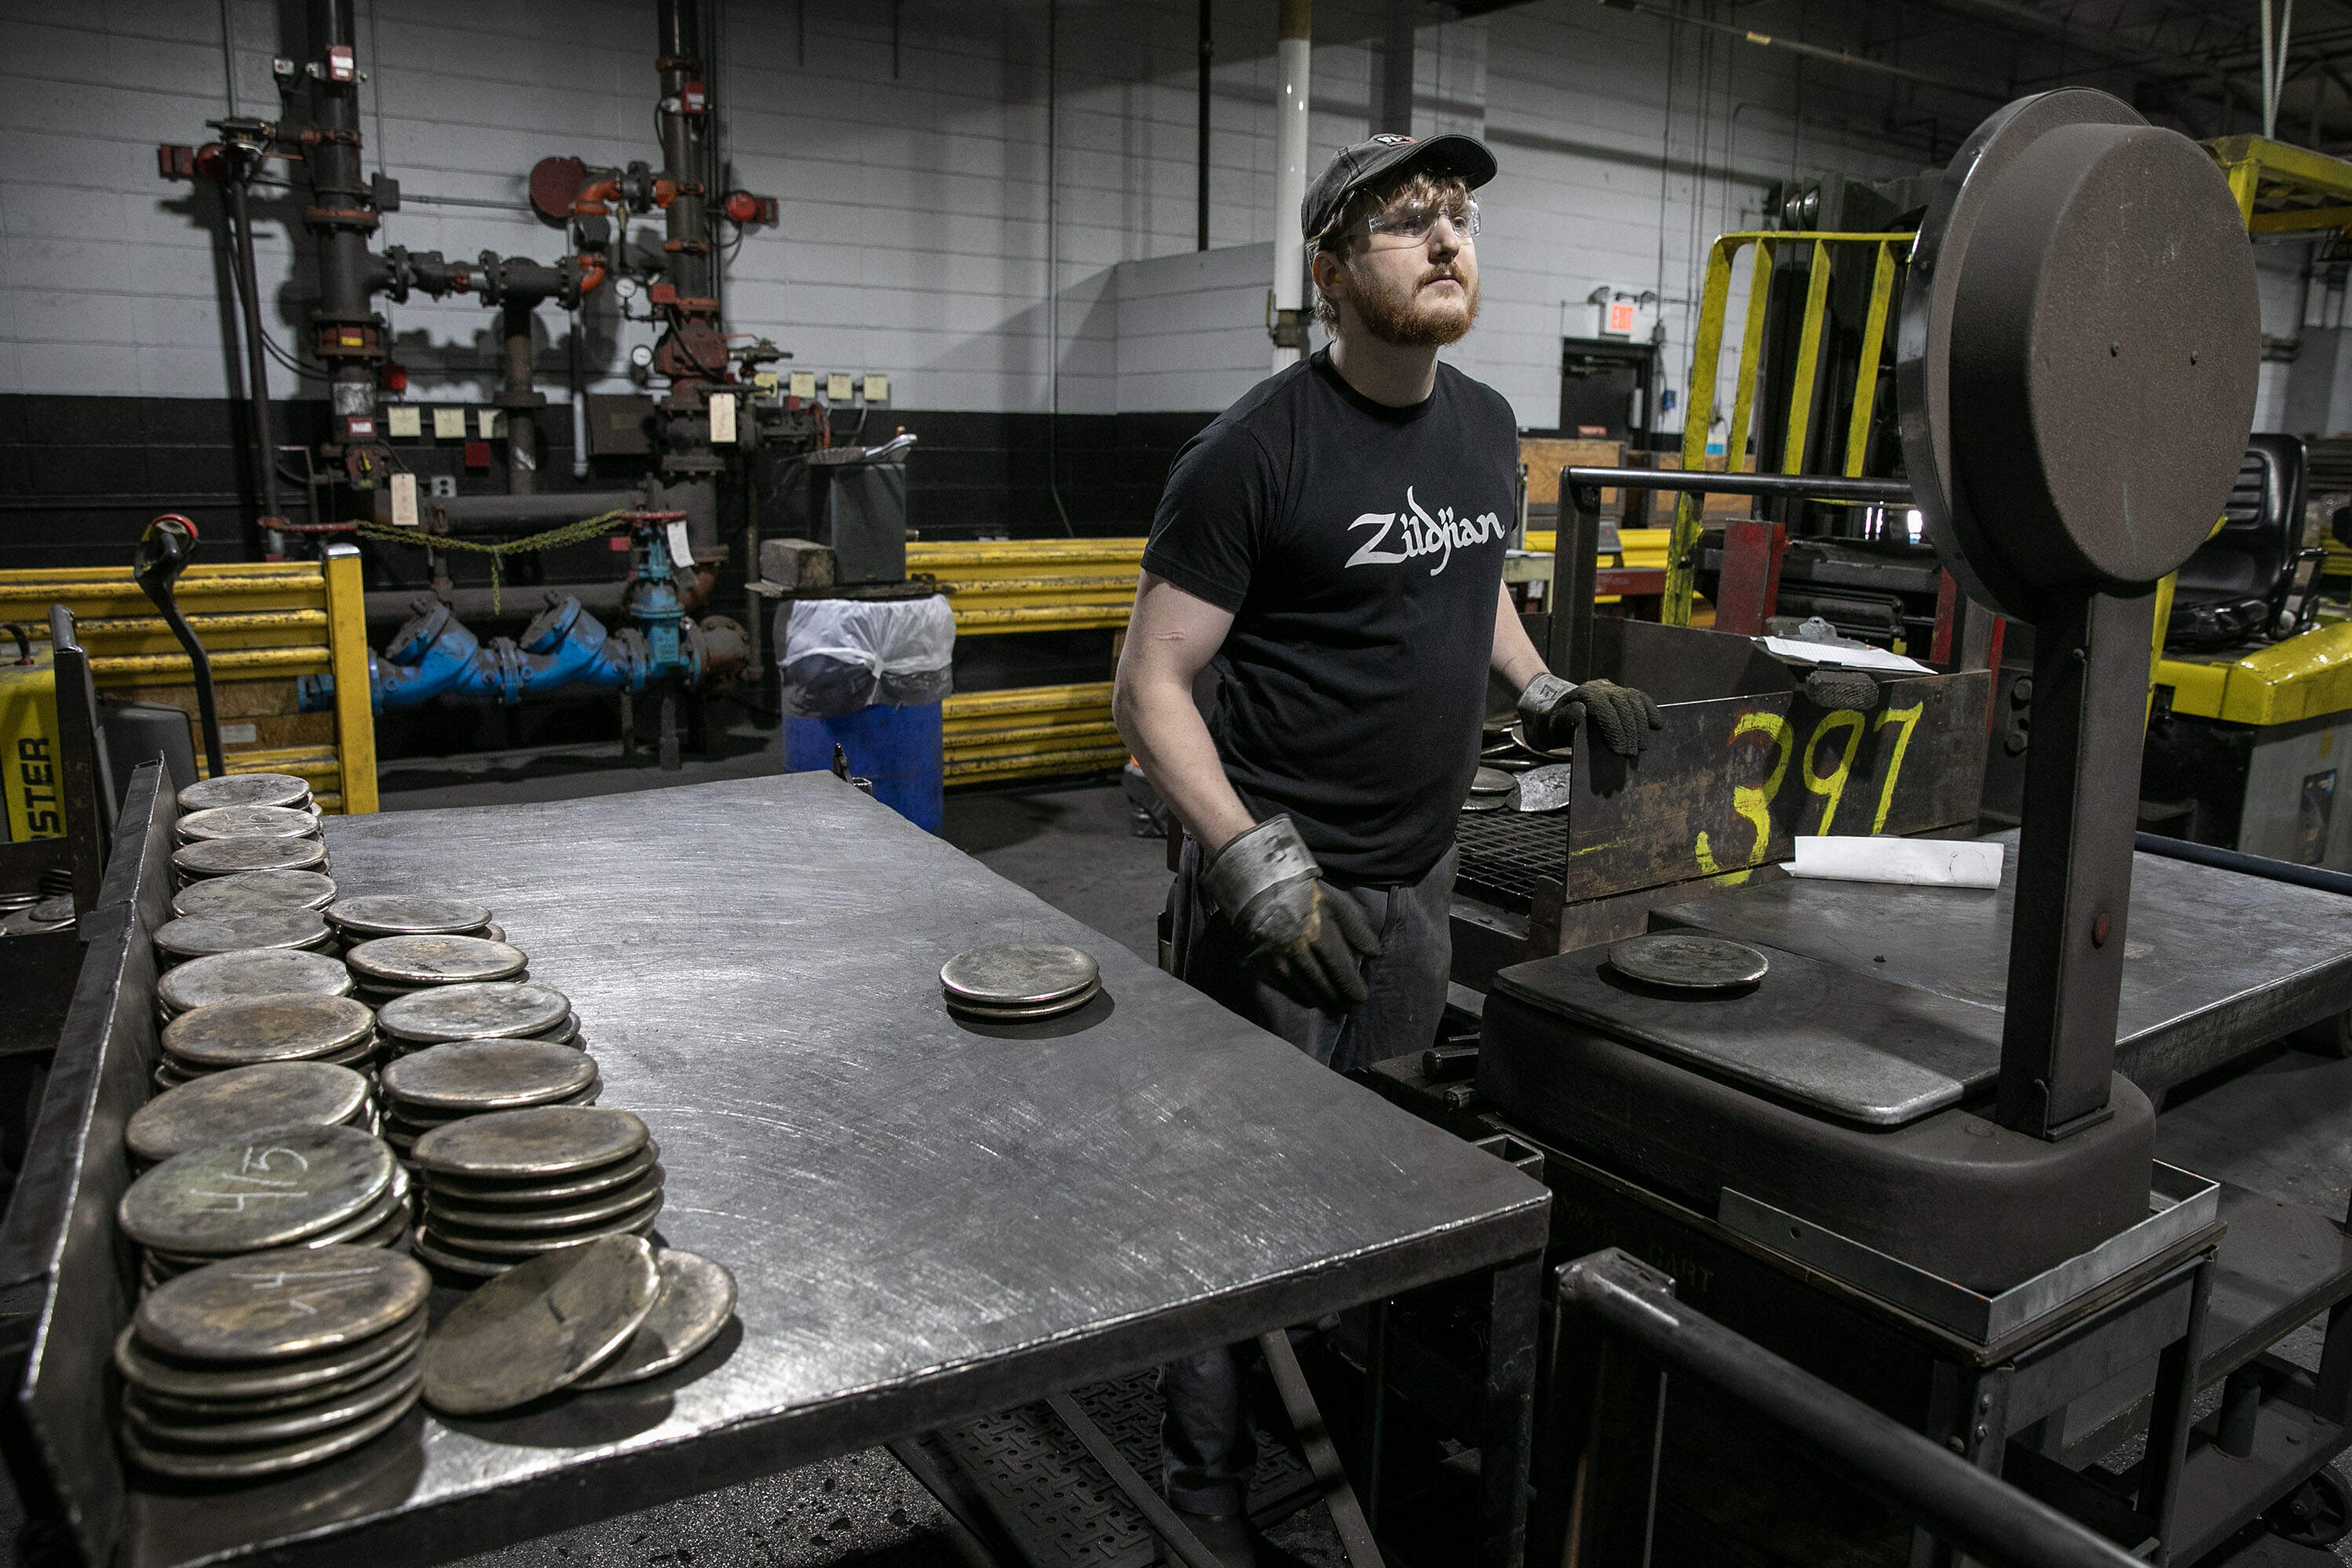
x=1333, y=545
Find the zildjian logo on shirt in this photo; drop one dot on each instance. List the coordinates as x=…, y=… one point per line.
x=1423, y=534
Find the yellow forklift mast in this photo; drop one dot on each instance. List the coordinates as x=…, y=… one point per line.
x=2246, y=741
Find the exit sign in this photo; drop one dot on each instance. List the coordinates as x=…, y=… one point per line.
x=1620, y=318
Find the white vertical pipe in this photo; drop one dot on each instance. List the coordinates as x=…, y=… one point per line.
x=1292, y=53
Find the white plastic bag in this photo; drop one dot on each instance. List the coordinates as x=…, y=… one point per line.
x=839, y=655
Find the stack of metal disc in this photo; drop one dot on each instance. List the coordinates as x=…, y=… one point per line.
x=279, y=1028
x=448, y=1083
x=1490, y=789
x=226, y=856
x=1019, y=982
x=616, y=1310
x=373, y=915
x=34, y=915
x=504, y=1188
x=241, y=1102
x=272, y=1362
x=247, y=822
x=248, y=973
x=482, y=1010
x=253, y=892
x=201, y=936
x=390, y=966
x=246, y=789
x=282, y=1186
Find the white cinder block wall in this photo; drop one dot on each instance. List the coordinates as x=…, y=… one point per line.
x=915, y=237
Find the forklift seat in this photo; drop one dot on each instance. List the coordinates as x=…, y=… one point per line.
x=2235, y=589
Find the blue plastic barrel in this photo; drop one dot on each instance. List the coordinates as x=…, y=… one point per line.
x=897, y=748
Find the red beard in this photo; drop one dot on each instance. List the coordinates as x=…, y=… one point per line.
x=1410, y=321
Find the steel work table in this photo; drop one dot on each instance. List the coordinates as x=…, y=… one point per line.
x=929, y=1220
x=2216, y=963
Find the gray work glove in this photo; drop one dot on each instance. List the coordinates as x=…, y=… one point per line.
x=1842, y=689
x=1623, y=717
x=1305, y=939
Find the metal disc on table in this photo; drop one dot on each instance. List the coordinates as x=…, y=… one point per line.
x=253, y=892
x=246, y=789
x=1491, y=781
x=279, y=1305
x=1486, y=803
x=239, y=1430
x=524, y=1145
x=561, y=1213
x=1021, y=1015
x=1555, y=754
x=300, y=1378
x=474, y=1076
x=405, y=914
x=541, y=1326
x=413, y=961
x=246, y=822
x=553, y=1189
x=255, y=971
x=248, y=1464
x=242, y=1100
x=201, y=936
x=226, y=856
x=268, y=1030
x=1687, y=962
x=697, y=1298
x=265, y=1191
x=1019, y=974
x=486, y=1010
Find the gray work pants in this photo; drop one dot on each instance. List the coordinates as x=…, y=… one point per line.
x=1206, y=1450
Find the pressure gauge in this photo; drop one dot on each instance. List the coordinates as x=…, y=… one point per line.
x=627, y=288
x=641, y=357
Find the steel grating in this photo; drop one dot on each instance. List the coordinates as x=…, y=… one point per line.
x=1057, y=1505
x=1507, y=855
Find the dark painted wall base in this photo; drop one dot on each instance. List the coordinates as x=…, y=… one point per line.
x=81, y=477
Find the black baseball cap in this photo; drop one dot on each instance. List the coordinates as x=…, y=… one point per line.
x=1355, y=167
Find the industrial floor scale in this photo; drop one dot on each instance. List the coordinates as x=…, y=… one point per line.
x=1798, y=1144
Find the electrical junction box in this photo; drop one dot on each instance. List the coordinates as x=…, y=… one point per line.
x=839, y=388
x=804, y=384
x=877, y=389
x=620, y=425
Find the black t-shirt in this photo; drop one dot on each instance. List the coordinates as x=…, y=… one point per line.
x=1360, y=548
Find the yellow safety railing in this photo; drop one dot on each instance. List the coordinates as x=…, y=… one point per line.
x=997, y=586
x=262, y=623
x=1714, y=305
x=1030, y=730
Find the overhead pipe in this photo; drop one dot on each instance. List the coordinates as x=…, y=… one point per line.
x=1293, y=50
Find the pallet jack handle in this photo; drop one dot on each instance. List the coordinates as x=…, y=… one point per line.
x=165, y=552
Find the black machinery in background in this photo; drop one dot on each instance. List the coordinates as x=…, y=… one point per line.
x=681, y=480
x=1866, y=571
x=1964, y=1227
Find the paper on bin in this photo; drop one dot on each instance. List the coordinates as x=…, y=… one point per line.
x=1921, y=862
